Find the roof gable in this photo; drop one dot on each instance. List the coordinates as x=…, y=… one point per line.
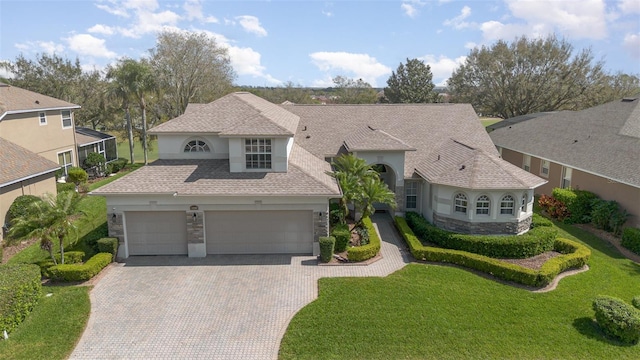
x=20, y=163
x=15, y=100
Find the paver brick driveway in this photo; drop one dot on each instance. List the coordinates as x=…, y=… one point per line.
x=218, y=307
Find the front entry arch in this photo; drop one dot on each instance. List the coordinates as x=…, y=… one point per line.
x=388, y=176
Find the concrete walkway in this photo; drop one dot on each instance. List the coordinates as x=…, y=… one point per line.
x=218, y=307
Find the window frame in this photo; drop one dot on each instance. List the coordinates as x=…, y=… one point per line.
x=42, y=116
x=65, y=166
x=411, y=191
x=564, y=180
x=526, y=162
x=507, y=210
x=524, y=203
x=458, y=206
x=543, y=167
x=70, y=118
x=199, y=144
x=483, y=208
x=258, y=156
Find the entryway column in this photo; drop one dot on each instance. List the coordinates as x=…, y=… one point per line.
x=195, y=234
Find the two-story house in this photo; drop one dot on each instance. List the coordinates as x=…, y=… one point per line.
x=36, y=139
x=241, y=175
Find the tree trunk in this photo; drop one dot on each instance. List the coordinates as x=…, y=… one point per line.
x=130, y=131
x=145, y=148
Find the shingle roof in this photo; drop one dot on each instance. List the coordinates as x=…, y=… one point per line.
x=16, y=100
x=306, y=176
x=370, y=139
x=235, y=114
x=86, y=136
x=20, y=163
x=516, y=119
x=604, y=140
x=460, y=165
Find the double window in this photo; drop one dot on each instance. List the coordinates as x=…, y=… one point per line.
x=65, y=162
x=544, y=168
x=257, y=153
x=411, y=191
x=43, y=118
x=460, y=203
x=483, y=205
x=196, y=146
x=507, y=205
x=66, y=119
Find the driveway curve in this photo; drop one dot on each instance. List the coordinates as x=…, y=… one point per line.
x=218, y=307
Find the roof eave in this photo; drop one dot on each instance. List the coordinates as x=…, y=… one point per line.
x=29, y=177
x=22, y=111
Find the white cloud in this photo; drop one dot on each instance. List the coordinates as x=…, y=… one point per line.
x=114, y=9
x=458, y=21
x=4, y=72
x=193, y=9
x=327, y=13
x=442, y=67
x=362, y=66
x=629, y=6
x=86, y=44
x=631, y=43
x=101, y=29
x=444, y=1
x=251, y=24
x=410, y=7
x=147, y=19
x=470, y=45
x=48, y=47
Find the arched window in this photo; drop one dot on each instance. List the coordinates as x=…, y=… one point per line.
x=483, y=205
x=460, y=203
x=196, y=146
x=523, y=206
x=507, y=205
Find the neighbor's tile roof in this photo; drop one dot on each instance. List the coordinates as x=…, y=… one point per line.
x=236, y=114
x=307, y=175
x=370, y=139
x=460, y=165
x=16, y=100
x=19, y=163
x=604, y=140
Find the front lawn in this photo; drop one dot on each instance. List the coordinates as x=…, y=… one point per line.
x=443, y=312
x=53, y=328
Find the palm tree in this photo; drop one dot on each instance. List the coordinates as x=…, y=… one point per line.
x=350, y=171
x=373, y=190
x=50, y=220
x=140, y=83
x=119, y=89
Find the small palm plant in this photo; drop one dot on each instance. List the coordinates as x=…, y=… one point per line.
x=50, y=220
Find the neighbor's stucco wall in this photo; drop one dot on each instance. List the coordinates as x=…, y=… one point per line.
x=172, y=147
x=37, y=186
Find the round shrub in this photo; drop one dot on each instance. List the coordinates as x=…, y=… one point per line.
x=343, y=235
x=617, y=319
x=327, y=245
x=77, y=175
x=20, y=206
x=631, y=239
x=95, y=160
x=636, y=302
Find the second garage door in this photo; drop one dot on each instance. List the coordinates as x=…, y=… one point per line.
x=259, y=232
x=156, y=232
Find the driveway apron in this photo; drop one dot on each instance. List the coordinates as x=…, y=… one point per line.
x=218, y=307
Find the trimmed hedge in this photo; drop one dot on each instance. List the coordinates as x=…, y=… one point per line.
x=108, y=245
x=343, y=235
x=617, y=319
x=538, y=220
x=497, y=268
x=67, y=186
x=327, y=244
x=579, y=203
x=366, y=252
x=631, y=239
x=20, y=290
x=81, y=272
x=534, y=242
x=70, y=257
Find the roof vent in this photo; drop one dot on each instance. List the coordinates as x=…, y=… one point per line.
x=308, y=136
x=462, y=167
x=629, y=99
x=304, y=128
x=37, y=102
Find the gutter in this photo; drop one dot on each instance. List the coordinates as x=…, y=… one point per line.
x=11, y=112
x=29, y=177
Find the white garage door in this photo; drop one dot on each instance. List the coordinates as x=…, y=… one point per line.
x=259, y=232
x=156, y=232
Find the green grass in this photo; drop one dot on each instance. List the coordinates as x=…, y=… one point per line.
x=486, y=121
x=443, y=312
x=53, y=328
x=123, y=150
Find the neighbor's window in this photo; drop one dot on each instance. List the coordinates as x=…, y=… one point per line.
x=411, y=190
x=196, y=146
x=43, y=118
x=483, y=205
x=460, y=202
x=257, y=153
x=566, y=177
x=507, y=205
x=526, y=162
x=66, y=119
x=64, y=159
x=544, y=167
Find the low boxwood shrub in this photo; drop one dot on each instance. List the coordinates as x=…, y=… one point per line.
x=20, y=290
x=77, y=175
x=68, y=186
x=631, y=239
x=327, y=244
x=576, y=256
x=343, y=235
x=70, y=257
x=81, y=272
x=617, y=319
x=608, y=215
x=538, y=220
x=109, y=245
x=636, y=302
x=534, y=242
x=366, y=252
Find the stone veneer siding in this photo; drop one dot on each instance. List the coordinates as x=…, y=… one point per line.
x=195, y=227
x=116, y=227
x=320, y=224
x=482, y=228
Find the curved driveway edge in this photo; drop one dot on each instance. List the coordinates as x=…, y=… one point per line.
x=218, y=307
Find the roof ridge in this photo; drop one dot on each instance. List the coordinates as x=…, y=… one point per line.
x=501, y=162
x=297, y=147
x=261, y=112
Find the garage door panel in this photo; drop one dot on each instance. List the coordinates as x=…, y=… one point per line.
x=259, y=232
x=156, y=232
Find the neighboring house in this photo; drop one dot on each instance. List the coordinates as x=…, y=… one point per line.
x=597, y=149
x=36, y=139
x=93, y=141
x=243, y=175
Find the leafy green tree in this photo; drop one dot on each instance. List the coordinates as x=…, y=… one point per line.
x=120, y=78
x=349, y=91
x=190, y=67
x=411, y=84
x=50, y=220
x=525, y=76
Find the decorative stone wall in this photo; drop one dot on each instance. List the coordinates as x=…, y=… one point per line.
x=482, y=228
x=400, y=198
x=195, y=227
x=320, y=224
x=116, y=226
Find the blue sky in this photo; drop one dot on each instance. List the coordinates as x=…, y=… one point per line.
x=309, y=42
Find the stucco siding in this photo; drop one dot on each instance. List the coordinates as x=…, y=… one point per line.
x=35, y=186
x=171, y=147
